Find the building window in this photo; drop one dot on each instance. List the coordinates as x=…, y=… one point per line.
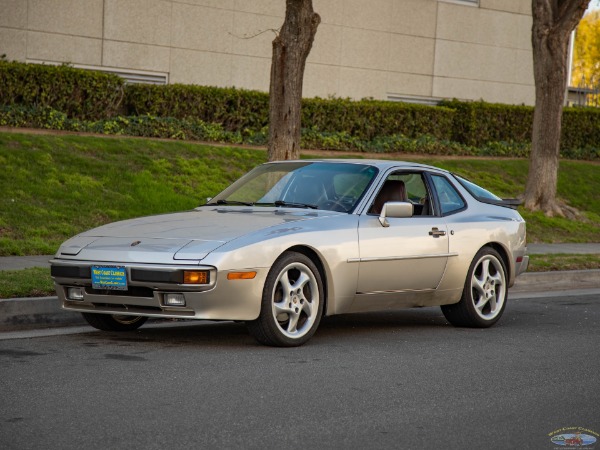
x=462, y=2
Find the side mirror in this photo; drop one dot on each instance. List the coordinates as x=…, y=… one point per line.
x=395, y=210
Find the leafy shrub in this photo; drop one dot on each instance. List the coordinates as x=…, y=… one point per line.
x=63, y=98
x=195, y=129
x=77, y=93
x=367, y=119
x=234, y=109
x=477, y=123
x=581, y=129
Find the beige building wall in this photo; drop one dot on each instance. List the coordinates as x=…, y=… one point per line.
x=385, y=49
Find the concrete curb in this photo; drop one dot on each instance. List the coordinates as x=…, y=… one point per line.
x=557, y=281
x=39, y=312
x=36, y=312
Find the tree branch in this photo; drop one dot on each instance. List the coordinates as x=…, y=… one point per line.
x=569, y=14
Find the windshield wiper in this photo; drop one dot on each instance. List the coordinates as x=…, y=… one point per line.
x=295, y=205
x=230, y=202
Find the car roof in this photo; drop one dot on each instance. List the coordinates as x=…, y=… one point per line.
x=381, y=164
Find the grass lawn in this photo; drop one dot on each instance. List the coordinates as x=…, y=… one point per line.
x=55, y=186
x=34, y=282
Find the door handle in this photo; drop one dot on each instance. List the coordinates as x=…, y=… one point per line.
x=435, y=232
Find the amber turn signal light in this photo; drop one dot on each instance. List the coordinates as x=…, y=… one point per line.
x=241, y=275
x=195, y=277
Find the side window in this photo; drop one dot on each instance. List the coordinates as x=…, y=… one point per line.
x=450, y=200
x=404, y=187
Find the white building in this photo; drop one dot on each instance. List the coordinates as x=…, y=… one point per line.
x=386, y=49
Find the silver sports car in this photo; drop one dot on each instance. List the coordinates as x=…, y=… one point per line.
x=293, y=241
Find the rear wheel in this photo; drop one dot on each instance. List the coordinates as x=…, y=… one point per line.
x=484, y=295
x=108, y=322
x=292, y=302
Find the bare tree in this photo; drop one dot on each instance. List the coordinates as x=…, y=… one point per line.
x=553, y=22
x=290, y=50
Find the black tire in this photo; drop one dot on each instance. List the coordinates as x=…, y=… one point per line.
x=289, y=319
x=108, y=322
x=484, y=295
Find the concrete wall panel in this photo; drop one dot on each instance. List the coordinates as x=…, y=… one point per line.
x=62, y=48
x=251, y=72
x=327, y=46
x=201, y=28
x=138, y=21
x=263, y=7
x=136, y=56
x=375, y=16
x=204, y=68
x=362, y=83
x=13, y=44
x=74, y=17
x=13, y=13
x=365, y=49
x=331, y=11
x=523, y=66
x=488, y=91
x=475, y=25
x=321, y=80
x=417, y=48
x=220, y=4
x=405, y=84
x=411, y=54
x=414, y=17
x=515, y=6
x=481, y=62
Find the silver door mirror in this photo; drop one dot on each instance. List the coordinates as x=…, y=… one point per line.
x=395, y=210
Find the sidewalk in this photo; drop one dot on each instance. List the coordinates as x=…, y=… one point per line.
x=27, y=313
x=24, y=262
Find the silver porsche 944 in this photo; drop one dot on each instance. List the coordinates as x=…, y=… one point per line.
x=293, y=241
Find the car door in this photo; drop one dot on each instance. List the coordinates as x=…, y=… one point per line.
x=411, y=253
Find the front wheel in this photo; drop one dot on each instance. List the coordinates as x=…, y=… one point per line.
x=108, y=322
x=292, y=302
x=484, y=295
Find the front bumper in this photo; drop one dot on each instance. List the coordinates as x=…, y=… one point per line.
x=221, y=299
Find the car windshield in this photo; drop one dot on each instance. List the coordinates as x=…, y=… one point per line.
x=298, y=184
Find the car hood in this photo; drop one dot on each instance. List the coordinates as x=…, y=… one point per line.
x=184, y=236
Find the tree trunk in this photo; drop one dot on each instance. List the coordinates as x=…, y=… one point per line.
x=553, y=22
x=290, y=50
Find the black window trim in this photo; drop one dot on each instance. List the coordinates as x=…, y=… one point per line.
x=425, y=175
x=442, y=214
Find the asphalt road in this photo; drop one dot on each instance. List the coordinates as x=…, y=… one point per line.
x=388, y=380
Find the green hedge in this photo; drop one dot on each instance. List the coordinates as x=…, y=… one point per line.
x=78, y=93
x=60, y=97
x=480, y=123
x=195, y=129
x=477, y=123
x=369, y=119
x=239, y=109
x=581, y=129
x=234, y=109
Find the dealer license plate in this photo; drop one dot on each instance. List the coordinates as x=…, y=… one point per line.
x=109, y=277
